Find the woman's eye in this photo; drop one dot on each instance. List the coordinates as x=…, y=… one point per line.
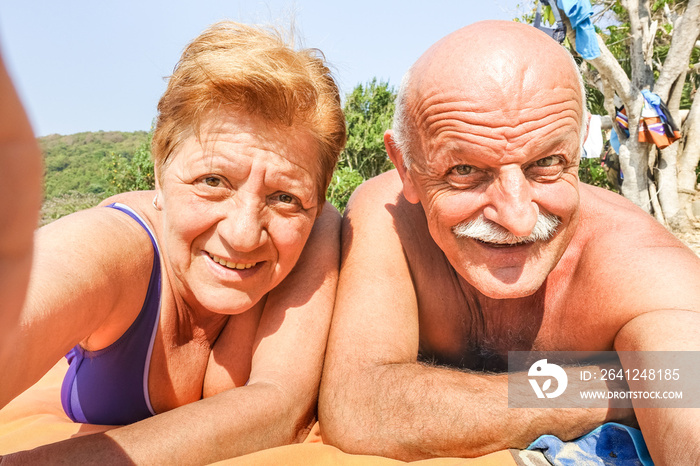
x=285, y=201
x=212, y=181
x=547, y=161
x=285, y=198
x=463, y=170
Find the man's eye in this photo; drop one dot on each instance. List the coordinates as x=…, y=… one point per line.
x=463, y=169
x=547, y=161
x=212, y=181
x=285, y=198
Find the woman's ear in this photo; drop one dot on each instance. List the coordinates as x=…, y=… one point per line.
x=158, y=198
x=397, y=157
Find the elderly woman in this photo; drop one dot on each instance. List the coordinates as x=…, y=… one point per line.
x=197, y=314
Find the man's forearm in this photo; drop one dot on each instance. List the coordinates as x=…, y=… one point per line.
x=414, y=411
x=671, y=435
x=233, y=423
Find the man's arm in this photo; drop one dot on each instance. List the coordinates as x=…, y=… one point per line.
x=671, y=434
x=375, y=398
x=276, y=407
x=651, y=280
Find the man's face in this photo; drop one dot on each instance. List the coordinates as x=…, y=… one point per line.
x=502, y=160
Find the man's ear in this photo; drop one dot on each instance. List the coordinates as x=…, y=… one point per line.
x=396, y=156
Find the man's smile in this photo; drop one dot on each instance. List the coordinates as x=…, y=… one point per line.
x=503, y=245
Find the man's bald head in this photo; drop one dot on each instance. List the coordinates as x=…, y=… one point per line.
x=478, y=64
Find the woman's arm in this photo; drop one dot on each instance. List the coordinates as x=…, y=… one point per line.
x=276, y=407
x=20, y=199
x=86, y=266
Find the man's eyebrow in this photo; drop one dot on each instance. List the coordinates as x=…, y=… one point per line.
x=548, y=145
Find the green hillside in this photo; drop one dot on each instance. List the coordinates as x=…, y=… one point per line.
x=78, y=162
x=82, y=169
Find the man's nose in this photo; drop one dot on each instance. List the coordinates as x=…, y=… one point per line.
x=511, y=202
x=243, y=228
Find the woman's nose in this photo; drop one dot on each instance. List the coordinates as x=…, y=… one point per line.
x=243, y=227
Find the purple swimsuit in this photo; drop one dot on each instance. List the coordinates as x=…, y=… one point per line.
x=110, y=386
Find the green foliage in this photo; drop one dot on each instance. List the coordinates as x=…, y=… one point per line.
x=65, y=204
x=344, y=182
x=369, y=110
x=131, y=172
x=590, y=171
x=75, y=162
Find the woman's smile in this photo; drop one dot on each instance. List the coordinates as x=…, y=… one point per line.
x=232, y=265
x=232, y=271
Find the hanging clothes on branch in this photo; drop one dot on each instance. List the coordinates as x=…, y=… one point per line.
x=579, y=13
x=623, y=124
x=593, y=145
x=656, y=125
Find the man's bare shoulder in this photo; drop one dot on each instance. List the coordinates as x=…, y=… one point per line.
x=380, y=198
x=628, y=258
x=609, y=219
x=378, y=211
x=376, y=192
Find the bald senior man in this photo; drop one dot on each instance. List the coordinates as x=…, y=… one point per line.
x=483, y=241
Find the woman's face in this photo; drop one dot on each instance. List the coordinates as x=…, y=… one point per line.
x=238, y=206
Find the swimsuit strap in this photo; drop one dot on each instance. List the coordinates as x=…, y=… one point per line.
x=110, y=386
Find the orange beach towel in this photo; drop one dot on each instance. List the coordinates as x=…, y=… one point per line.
x=36, y=418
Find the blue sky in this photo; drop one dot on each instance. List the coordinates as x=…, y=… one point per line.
x=89, y=65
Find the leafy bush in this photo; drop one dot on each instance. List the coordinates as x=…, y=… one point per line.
x=344, y=182
x=592, y=172
x=131, y=172
x=369, y=110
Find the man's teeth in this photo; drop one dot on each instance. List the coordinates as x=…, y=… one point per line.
x=501, y=245
x=230, y=265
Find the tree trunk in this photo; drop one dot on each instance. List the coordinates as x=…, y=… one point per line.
x=689, y=158
x=669, y=87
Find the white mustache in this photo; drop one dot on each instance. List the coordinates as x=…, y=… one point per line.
x=489, y=232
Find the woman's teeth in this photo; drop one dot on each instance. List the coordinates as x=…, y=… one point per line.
x=230, y=265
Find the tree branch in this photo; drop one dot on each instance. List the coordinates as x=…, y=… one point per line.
x=682, y=43
x=690, y=156
x=642, y=76
x=608, y=67
x=674, y=100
